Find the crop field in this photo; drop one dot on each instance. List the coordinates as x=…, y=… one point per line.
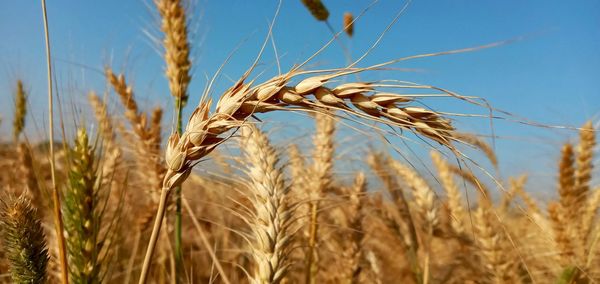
x=329, y=168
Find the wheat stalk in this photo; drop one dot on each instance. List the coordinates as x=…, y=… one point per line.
x=205, y=131
x=424, y=199
x=58, y=222
x=457, y=211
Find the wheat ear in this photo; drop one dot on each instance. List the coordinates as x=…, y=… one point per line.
x=349, y=24
x=24, y=241
x=319, y=183
x=583, y=173
x=317, y=9
x=20, y=110
x=455, y=206
x=81, y=213
x=494, y=247
x=205, y=131
x=426, y=208
x=272, y=218
x=354, y=252
x=178, y=64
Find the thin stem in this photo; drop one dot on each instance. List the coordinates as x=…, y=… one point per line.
x=160, y=214
x=136, y=245
x=178, y=219
x=206, y=244
x=58, y=223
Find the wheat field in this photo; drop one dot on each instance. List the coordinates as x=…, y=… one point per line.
x=221, y=200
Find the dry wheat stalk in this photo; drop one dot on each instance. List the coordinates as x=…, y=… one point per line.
x=147, y=132
x=494, y=248
x=427, y=210
x=205, y=131
x=104, y=120
x=177, y=49
x=319, y=182
x=562, y=239
x=423, y=195
x=589, y=214
x=455, y=206
x=583, y=173
x=381, y=165
x=566, y=180
x=273, y=216
x=112, y=151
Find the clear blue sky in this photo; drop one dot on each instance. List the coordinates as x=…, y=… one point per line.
x=551, y=77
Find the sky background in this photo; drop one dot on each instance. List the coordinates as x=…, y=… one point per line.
x=550, y=77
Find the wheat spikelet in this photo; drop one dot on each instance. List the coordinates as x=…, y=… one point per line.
x=103, y=118
x=566, y=181
x=177, y=49
x=583, y=175
x=423, y=195
x=457, y=211
x=272, y=220
x=349, y=24
x=584, y=162
x=27, y=172
x=561, y=236
x=589, y=214
x=147, y=132
x=317, y=9
x=24, y=241
x=112, y=151
x=20, y=110
x=494, y=248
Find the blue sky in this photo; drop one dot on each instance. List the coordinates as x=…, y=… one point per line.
x=550, y=77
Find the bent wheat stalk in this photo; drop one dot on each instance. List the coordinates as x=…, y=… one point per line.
x=206, y=130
